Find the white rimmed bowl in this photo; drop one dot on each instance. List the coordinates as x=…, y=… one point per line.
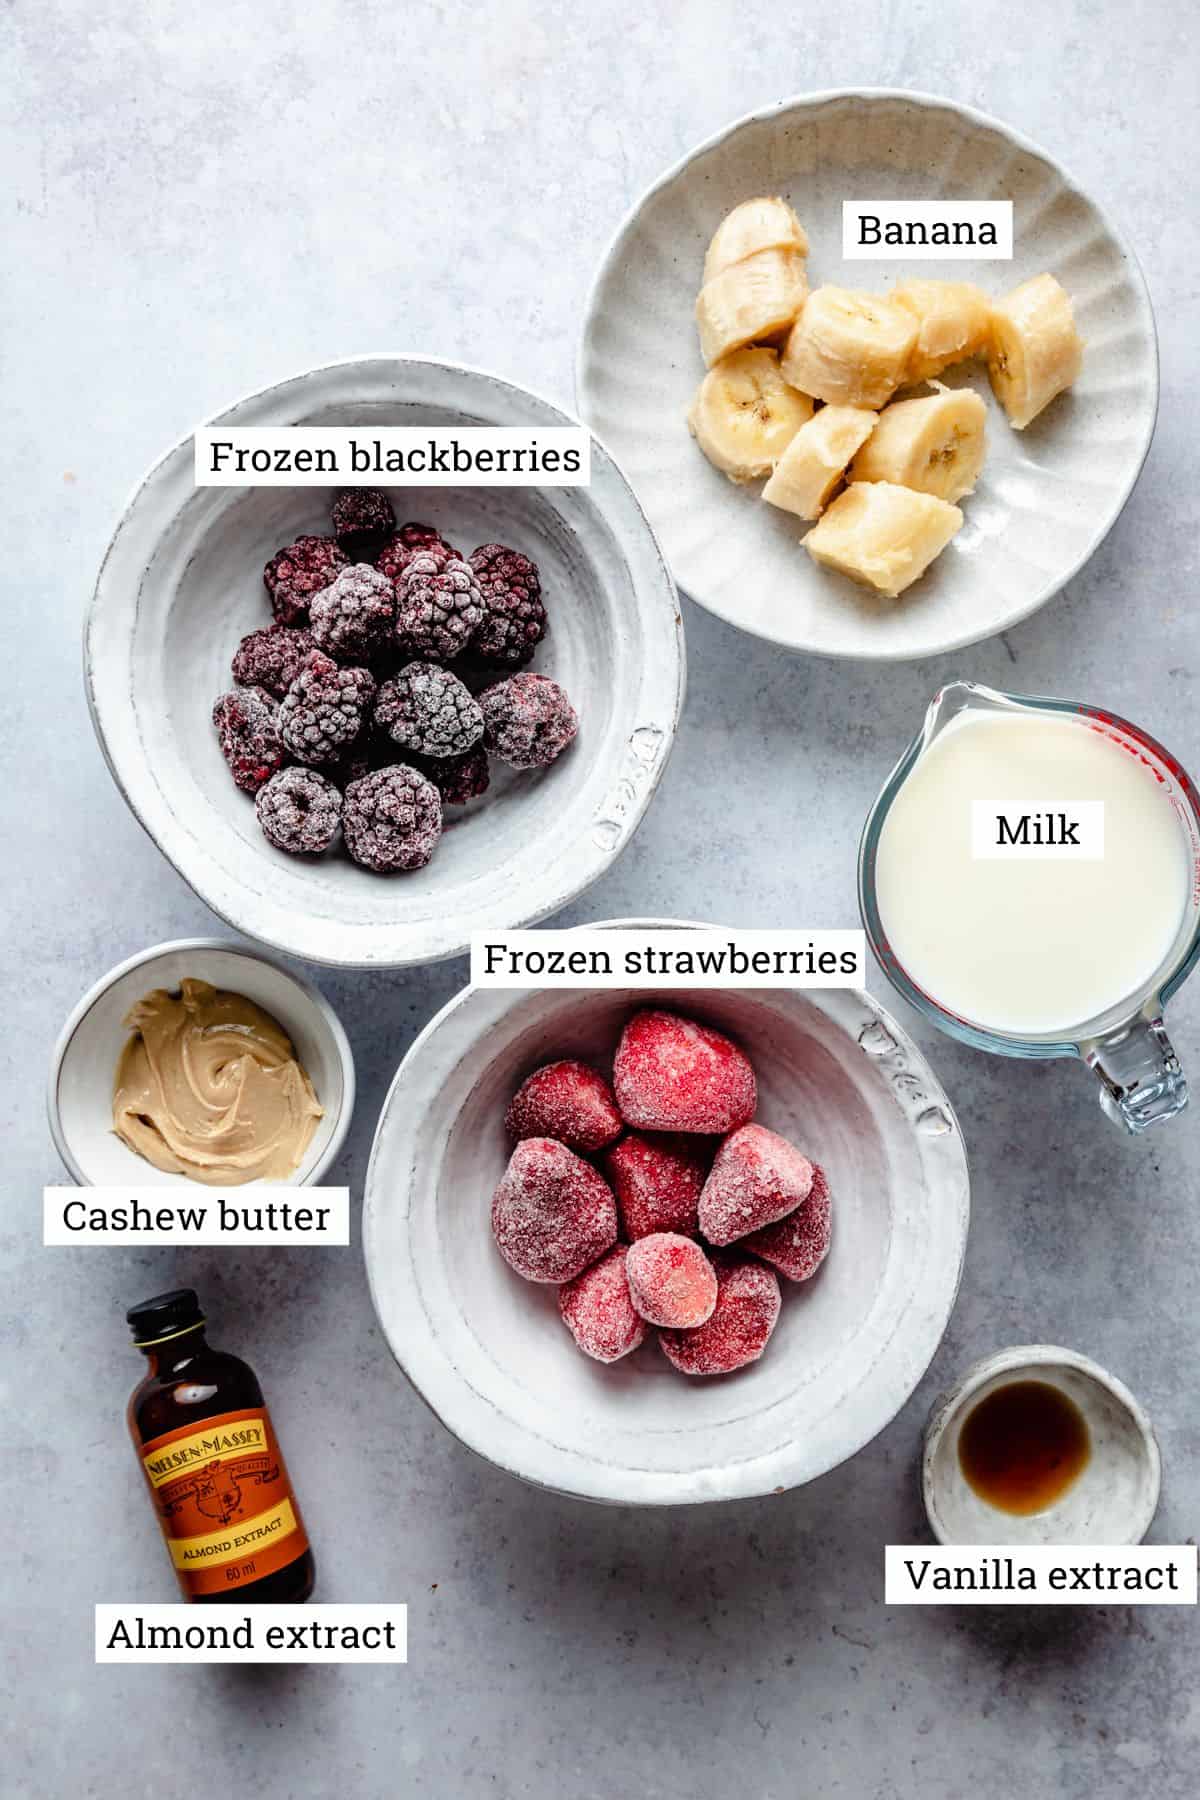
x=1111, y=1501
x=1047, y=495
x=182, y=583
x=488, y=1351
x=84, y=1063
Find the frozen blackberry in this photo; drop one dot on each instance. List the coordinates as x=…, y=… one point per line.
x=460, y=780
x=297, y=572
x=352, y=618
x=299, y=811
x=392, y=819
x=362, y=518
x=514, y=619
x=324, y=709
x=272, y=658
x=413, y=539
x=428, y=711
x=247, y=722
x=527, y=720
x=439, y=607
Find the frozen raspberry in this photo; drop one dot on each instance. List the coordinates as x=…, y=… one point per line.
x=528, y=720
x=757, y=1177
x=427, y=710
x=657, y=1181
x=552, y=1214
x=438, y=607
x=413, y=539
x=798, y=1244
x=748, y=1303
x=272, y=658
x=247, y=722
x=323, y=711
x=672, y=1074
x=297, y=572
x=514, y=621
x=567, y=1101
x=299, y=811
x=671, y=1281
x=392, y=819
x=461, y=779
x=352, y=618
x=598, y=1311
x=362, y=518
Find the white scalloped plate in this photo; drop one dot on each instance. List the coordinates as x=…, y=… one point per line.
x=1047, y=496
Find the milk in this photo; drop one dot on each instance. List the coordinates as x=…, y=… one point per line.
x=1019, y=944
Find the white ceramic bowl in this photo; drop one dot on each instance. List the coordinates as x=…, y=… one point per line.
x=79, y=1098
x=1047, y=495
x=182, y=583
x=488, y=1350
x=1111, y=1501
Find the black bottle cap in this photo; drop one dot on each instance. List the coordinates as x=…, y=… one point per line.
x=165, y=1316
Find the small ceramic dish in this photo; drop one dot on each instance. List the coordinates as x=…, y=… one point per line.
x=489, y=1352
x=84, y=1064
x=1111, y=1501
x=1047, y=495
x=182, y=584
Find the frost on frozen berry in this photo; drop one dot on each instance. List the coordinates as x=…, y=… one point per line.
x=438, y=608
x=362, y=519
x=514, y=619
x=392, y=819
x=300, y=811
x=324, y=709
x=552, y=1214
x=674, y=1074
x=671, y=1281
x=568, y=1101
x=460, y=778
x=413, y=539
x=657, y=1180
x=528, y=720
x=426, y=710
x=352, y=618
x=247, y=725
x=748, y=1302
x=598, y=1312
x=272, y=658
x=798, y=1244
x=297, y=572
x=757, y=1177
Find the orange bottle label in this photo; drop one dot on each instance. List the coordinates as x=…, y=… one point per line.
x=224, y=1501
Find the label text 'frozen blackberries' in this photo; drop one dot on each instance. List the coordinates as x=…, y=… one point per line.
x=398, y=455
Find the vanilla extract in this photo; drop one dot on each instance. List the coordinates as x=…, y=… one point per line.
x=1008, y=1575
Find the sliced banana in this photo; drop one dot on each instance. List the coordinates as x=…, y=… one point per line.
x=883, y=536
x=1035, y=352
x=848, y=348
x=815, y=460
x=766, y=224
x=745, y=415
x=935, y=444
x=952, y=324
x=756, y=298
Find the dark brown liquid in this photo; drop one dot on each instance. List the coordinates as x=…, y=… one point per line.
x=1023, y=1446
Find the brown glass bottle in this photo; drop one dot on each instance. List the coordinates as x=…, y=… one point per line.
x=212, y=1463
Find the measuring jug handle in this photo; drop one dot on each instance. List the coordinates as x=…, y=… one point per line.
x=1140, y=1077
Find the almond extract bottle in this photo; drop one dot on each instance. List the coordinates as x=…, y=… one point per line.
x=208, y=1451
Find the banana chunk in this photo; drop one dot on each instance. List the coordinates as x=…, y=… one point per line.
x=935, y=444
x=765, y=224
x=882, y=536
x=756, y=298
x=953, y=320
x=815, y=460
x=848, y=348
x=745, y=415
x=1035, y=351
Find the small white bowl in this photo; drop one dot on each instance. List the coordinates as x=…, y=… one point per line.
x=489, y=1352
x=1111, y=1501
x=182, y=583
x=84, y=1064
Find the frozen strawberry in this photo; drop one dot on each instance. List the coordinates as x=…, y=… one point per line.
x=671, y=1281
x=567, y=1101
x=598, y=1312
x=552, y=1214
x=672, y=1074
x=657, y=1181
x=743, y=1319
x=757, y=1177
x=799, y=1244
